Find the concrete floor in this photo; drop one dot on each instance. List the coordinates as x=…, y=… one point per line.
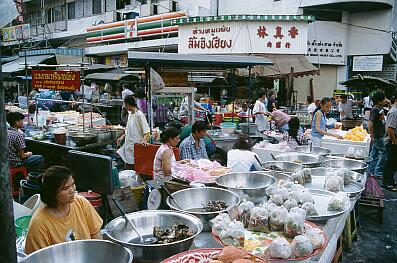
x=376, y=242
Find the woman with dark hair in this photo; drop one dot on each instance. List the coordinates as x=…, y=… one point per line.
x=319, y=122
x=65, y=216
x=165, y=157
x=294, y=136
x=241, y=158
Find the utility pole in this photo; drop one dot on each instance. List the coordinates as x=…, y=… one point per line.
x=7, y=228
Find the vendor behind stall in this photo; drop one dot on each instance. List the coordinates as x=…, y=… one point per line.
x=137, y=131
x=281, y=119
x=64, y=217
x=165, y=157
x=345, y=107
x=193, y=147
x=17, y=146
x=241, y=159
x=294, y=136
x=260, y=112
x=124, y=112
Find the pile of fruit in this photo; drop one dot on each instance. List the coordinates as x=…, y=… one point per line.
x=356, y=134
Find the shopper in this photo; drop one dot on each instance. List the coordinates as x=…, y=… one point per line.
x=281, y=119
x=319, y=123
x=260, y=112
x=271, y=100
x=137, y=131
x=241, y=159
x=345, y=107
x=193, y=147
x=165, y=158
x=311, y=107
x=64, y=216
x=124, y=112
x=390, y=164
x=294, y=136
x=376, y=129
x=17, y=146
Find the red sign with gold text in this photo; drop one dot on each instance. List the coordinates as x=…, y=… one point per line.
x=56, y=80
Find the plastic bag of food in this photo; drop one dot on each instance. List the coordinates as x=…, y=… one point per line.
x=290, y=203
x=294, y=225
x=296, y=187
x=271, y=190
x=298, y=178
x=344, y=173
x=299, y=210
x=338, y=202
x=296, y=194
x=333, y=183
x=269, y=206
x=301, y=246
x=307, y=175
x=283, y=192
x=276, y=199
x=233, y=234
x=310, y=209
x=244, y=212
x=350, y=152
x=220, y=222
x=281, y=183
x=316, y=236
x=359, y=154
x=280, y=248
x=277, y=218
x=305, y=196
x=259, y=220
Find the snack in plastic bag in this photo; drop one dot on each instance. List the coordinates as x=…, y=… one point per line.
x=310, y=209
x=338, y=202
x=277, y=218
x=233, y=234
x=359, y=154
x=299, y=210
x=259, y=220
x=276, y=199
x=344, y=173
x=333, y=183
x=280, y=248
x=220, y=222
x=316, y=236
x=305, y=196
x=298, y=178
x=350, y=152
x=244, y=212
x=269, y=206
x=307, y=175
x=281, y=184
x=294, y=225
x=295, y=194
x=283, y=192
x=271, y=190
x=296, y=187
x=301, y=246
x=290, y=203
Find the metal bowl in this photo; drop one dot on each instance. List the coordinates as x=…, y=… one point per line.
x=351, y=165
x=192, y=200
x=81, y=251
x=248, y=186
x=279, y=175
x=83, y=138
x=287, y=167
x=119, y=231
x=307, y=160
x=322, y=171
x=365, y=159
x=313, y=150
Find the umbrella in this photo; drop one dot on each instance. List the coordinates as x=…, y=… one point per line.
x=370, y=82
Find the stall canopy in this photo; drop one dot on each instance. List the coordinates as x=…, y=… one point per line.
x=359, y=81
x=18, y=65
x=110, y=76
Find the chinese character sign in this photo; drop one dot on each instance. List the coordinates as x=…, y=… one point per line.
x=56, y=80
x=272, y=37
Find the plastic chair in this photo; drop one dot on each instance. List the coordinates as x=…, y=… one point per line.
x=14, y=179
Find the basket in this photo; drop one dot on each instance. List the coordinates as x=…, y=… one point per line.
x=22, y=225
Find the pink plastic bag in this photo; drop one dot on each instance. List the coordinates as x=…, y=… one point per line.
x=372, y=188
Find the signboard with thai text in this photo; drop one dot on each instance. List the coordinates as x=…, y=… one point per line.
x=242, y=37
x=367, y=63
x=56, y=80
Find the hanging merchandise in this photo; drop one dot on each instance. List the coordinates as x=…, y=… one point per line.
x=156, y=81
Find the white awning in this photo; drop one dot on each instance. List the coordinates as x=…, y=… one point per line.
x=18, y=65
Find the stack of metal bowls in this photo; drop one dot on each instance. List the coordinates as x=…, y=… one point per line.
x=248, y=186
x=193, y=200
x=121, y=232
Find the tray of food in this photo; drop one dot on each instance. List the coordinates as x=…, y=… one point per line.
x=214, y=255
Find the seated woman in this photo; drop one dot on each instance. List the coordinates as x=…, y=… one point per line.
x=294, y=136
x=165, y=157
x=241, y=159
x=65, y=216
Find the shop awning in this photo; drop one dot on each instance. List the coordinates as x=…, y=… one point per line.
x=282, y=67
x=110, y=76
x=18, y=65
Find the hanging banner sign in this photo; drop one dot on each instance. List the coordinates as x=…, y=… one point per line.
x=56, y=80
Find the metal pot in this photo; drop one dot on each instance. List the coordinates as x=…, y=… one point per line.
x=307, y=160
x=82, y=139
x=81, y=251
x=248, y=186
x=104, y=135
x=192, y=200
x=116, y=133
x=119, y=231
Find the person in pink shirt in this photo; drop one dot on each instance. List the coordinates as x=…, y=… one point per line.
x=281, y=119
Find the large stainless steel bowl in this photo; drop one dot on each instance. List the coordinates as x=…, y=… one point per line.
x=286, y=167
x=192, y=201
x=248, y=186
x=83, y=138
x=279, y=175
x=119, y=231
x=81, y=251
x=313, y=150
x=322, y=171
x=351, y=165
x=307, y=160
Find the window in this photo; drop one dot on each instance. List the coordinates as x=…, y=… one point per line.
x=72, y=10
x=155, y=10
x=59, y=13
x=174, y=5
x=96, y=7
x=50, y=15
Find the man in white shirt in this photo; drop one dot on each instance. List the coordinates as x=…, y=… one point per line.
x=311, y=107
x=124, y=113
x=260, y=112
x=345, y=107
x=368, y=104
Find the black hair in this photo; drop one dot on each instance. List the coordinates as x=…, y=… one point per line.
x=130, y=100
x=323, y=101
x=140, y=93
x=293, y=127
x=271, y=92
x=309, y=99
x=199, y=126
x=169, y=133
x=261, y=93
x=54, y=179
x=243, y=142
x=394, y=97
x=378, y=96
x=343, y=97
x=13, y=117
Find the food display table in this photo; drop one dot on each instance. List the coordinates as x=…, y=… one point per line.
x=342, y=146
